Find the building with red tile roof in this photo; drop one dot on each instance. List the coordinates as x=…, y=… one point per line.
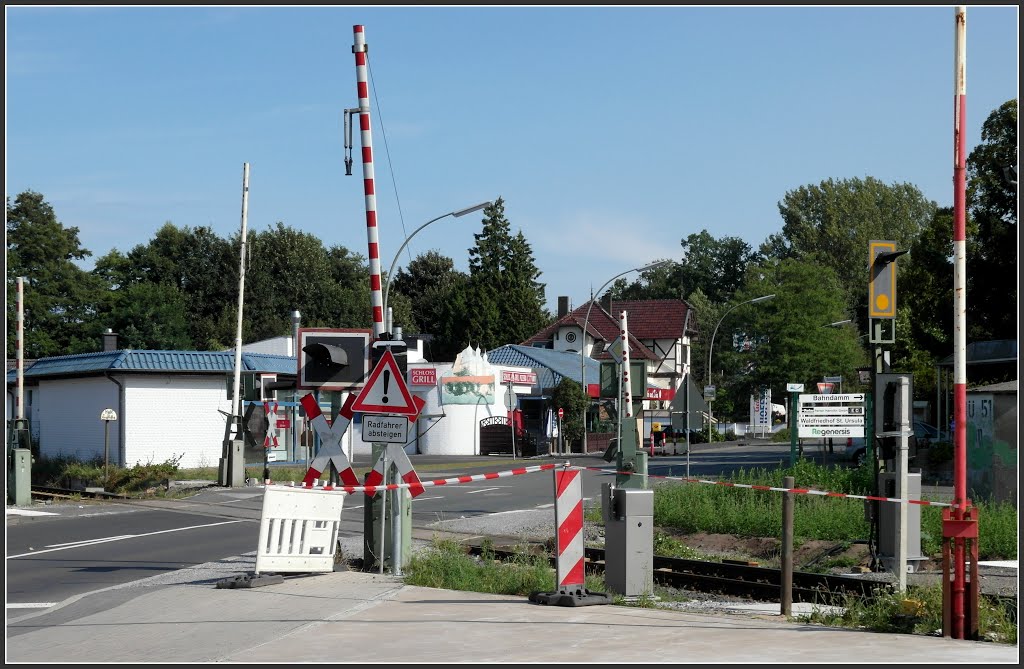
x=659, y=332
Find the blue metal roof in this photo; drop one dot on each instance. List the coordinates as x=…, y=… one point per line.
x=217, y=362
x=551, y=366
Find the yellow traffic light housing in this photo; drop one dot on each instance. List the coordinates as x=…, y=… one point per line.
x=882, y=283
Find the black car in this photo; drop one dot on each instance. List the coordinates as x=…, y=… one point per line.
x=924, y=435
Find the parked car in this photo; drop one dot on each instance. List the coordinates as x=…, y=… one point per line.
x=924, y=436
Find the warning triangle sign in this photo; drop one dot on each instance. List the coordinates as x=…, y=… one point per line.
x=385, y=391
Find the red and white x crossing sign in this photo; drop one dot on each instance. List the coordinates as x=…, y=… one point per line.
x=270, y=411
x=330, y=441
x=395, y=453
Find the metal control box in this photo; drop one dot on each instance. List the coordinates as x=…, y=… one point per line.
x=629, y=540
x=888, y=522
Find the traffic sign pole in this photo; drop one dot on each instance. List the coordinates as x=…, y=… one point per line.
x=386, y=393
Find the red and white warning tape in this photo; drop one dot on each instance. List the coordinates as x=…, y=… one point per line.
x=372, y=489
x=798, y=491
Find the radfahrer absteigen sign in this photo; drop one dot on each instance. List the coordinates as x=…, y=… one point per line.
x=825, y=416
x=385, y=429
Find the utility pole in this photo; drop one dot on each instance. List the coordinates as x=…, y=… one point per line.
x=19, y=454
x=232, y=462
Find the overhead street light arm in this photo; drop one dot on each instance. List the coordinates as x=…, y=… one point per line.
x=583, y=338
x=586, y=320
x=711, y=343
x=455, y=214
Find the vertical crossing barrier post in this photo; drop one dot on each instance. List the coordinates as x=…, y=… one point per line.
x=570, y=564
x=569, y=531
x=786, y=596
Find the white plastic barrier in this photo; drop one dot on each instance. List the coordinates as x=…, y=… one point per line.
x=298, y=529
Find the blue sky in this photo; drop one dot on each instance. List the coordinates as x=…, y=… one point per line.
x=611, y=133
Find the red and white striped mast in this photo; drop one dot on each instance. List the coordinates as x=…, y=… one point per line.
x=959, y=311
x=362, y=89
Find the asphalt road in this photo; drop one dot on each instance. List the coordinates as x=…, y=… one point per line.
x=70, y=549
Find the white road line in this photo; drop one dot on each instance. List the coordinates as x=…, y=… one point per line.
x=29, y=512
x=88, y=541
x=120, y=538
x=32, y=605
x=473, y=492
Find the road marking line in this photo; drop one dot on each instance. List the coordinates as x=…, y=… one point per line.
x=30, y=512
x=86, y=542
x=473, y=492
x=122, y=537
x=32, y=605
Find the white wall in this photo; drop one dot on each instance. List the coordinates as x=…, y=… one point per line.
x=68, y=411
x=167, y=416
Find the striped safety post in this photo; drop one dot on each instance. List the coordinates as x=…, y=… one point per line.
x=369, y=193
x=569, y=570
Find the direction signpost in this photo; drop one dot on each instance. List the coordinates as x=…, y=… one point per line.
x=827, y=415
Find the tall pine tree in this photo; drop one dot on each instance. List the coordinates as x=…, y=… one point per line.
x=502, y=302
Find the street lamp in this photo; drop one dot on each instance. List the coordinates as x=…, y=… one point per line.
x=456, y=214
x=836, y=325
x=711, y=347
x=583, y=339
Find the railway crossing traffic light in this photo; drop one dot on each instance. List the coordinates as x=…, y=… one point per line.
x=882, y=283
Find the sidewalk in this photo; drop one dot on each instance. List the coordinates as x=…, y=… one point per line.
x=349, y=616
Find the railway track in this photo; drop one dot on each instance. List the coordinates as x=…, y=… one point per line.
x=49, y=492
x=736, y=580
x=752, y=582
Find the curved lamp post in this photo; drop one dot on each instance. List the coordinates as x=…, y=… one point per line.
x=836, y=325
x=711, y=347
x=583, y=339
x=456, y=214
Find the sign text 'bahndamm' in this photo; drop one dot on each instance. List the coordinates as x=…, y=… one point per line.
x=385, y=429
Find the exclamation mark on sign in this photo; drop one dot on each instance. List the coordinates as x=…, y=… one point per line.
x=387, y=379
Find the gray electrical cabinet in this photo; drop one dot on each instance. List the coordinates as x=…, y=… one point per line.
x=888, y=521
x=628, y=540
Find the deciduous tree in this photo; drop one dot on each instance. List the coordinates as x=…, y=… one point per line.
x=60, y=298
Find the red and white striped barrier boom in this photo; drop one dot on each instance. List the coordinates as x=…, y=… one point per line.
x=456, y=480
x=797, y=491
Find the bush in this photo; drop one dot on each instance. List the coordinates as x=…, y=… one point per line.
x=65, y=472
